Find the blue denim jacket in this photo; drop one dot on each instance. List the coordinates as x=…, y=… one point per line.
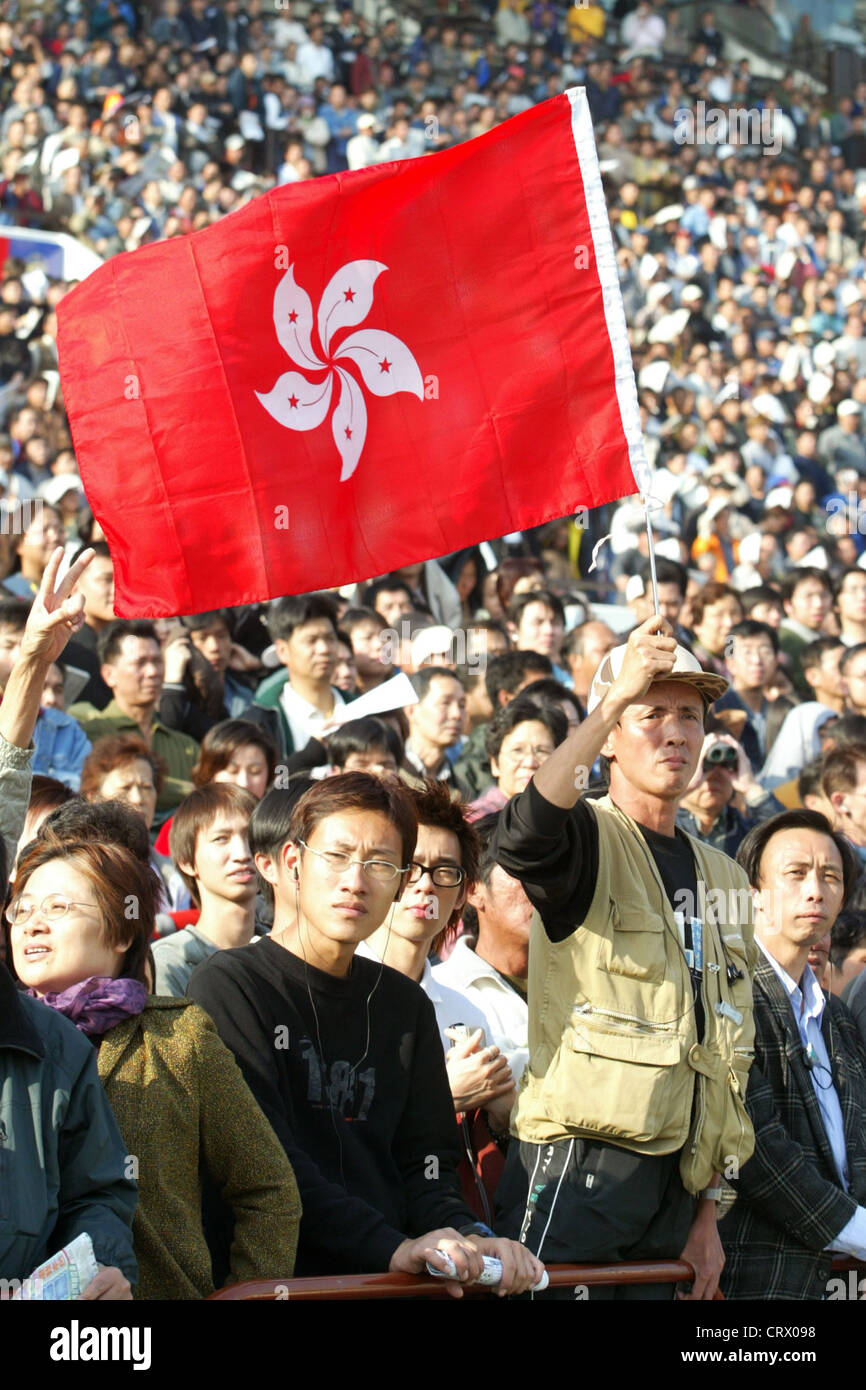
x=61, y=746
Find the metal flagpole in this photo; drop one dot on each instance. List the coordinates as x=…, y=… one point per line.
x=652, y=555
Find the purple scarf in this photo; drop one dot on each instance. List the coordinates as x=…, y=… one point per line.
x=96, y=1004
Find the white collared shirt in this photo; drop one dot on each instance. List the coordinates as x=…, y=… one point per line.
x=808, y=1002
x=472, y=976
x=304, y=719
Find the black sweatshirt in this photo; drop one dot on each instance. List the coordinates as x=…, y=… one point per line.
x=367, y=1121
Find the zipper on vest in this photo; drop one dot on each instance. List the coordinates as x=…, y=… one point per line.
x=584, y=1009
x=702, y=1110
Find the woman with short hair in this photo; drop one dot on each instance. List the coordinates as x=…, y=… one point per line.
x=81, y=918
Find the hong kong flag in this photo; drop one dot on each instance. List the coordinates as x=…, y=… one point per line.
x=357, y=372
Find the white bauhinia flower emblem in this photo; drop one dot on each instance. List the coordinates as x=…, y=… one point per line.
x=385, y=364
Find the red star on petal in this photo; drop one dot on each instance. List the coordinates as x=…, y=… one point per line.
x=348, y=433
x=384, y=365
x=350, y=295
x=293, y=317
x=293, y=402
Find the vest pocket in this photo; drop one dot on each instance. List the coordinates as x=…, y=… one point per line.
x=625, y=1082
x=634, y=947
x=721, y=1137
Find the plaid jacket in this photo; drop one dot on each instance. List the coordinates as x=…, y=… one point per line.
x=790, y=1203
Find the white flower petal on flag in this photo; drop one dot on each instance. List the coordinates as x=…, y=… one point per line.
x=385, y=363
x=349, y=423
x=348, y=299
x=297, y=403
x=293, y=320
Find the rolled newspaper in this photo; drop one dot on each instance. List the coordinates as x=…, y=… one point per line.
x=65, y=1275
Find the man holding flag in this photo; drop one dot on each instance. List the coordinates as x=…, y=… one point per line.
x=392, y=364
x=640, y=985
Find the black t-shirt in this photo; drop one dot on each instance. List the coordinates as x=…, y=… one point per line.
x=554, y=854
x=351, y=1074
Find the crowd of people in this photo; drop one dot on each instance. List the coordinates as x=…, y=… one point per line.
x=557, y=951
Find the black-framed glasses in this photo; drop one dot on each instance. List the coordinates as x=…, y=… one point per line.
x=338, y=861
x=52, y=909
x=443, y=875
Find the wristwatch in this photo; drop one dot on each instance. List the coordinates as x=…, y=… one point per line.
x=713, y=1194
x=478, y=1228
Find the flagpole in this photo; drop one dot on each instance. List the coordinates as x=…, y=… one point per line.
x=652, y=555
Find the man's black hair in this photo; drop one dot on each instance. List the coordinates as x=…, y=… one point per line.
x=808, y=531
x=99, y=548
x=667, y=572
x=110, y=639
x=850, y=654
x=488, y=625
x=802, y=572
x=361, y=736
x=108, y=822
x=849, y=569
x=847, y=729
x=548, y=691
x=195, y=622
x=508, y=671
x=750, y=627
x=519, y=711
x=546, y=596
x=389, y=585
x=751, y=851
x=762, y=593
x=268, y=829
x=813, y=652
x=484, y=829
x=847, y=933
x=14, y=614
x=286, y=614
x=353, y=617
x=421, y=679
x=809, y=779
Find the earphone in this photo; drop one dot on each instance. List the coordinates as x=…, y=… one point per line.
x=353, y=1067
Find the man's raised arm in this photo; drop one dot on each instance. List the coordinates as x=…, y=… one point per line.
x=649, y=655
x=553, y=853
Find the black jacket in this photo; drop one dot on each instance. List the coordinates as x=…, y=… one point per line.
x=790, y=1203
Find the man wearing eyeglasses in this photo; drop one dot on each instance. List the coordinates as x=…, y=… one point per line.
x=343, y=1054
x=801, y=1197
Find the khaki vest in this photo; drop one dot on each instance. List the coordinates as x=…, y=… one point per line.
x=613, y=1047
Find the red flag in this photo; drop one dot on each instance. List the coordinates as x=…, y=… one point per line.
x=357, y=372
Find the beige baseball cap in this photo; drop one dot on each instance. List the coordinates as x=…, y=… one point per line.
x=687, y=669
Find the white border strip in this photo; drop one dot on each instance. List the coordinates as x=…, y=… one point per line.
x=614, y=313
